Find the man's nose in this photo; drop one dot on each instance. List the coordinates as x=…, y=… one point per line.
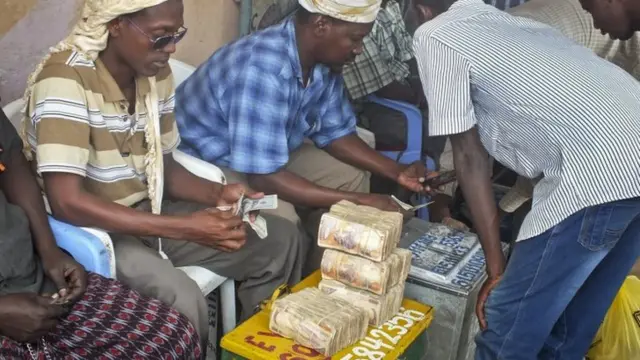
x=170, y=48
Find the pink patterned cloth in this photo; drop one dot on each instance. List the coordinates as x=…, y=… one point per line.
x=114, y=322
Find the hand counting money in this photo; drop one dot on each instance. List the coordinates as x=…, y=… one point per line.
x=245, y=206
x=360, y=230
x=379, y=307
x=266, y=203
x=318, y=321
x=364, y=274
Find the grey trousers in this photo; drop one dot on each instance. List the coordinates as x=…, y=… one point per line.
x=260, y=266
x=320, y=168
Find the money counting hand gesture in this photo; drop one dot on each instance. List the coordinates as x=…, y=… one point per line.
x=223, y=230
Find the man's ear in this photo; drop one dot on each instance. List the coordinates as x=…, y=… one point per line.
x=424, y=13
x=321, y=25
x=115, y=27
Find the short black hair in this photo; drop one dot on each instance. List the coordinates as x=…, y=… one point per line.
x=438, y=5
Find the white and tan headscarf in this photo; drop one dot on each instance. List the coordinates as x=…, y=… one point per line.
x=355, y=11
x=89, y=37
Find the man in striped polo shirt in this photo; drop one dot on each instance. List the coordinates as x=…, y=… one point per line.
x=102, y=129
x=555, y=111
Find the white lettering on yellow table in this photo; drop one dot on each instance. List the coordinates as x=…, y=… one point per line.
x=385, y=337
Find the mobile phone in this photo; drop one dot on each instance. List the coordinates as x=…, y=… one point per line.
x=443, y=178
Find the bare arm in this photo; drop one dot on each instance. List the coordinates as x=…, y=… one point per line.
x=180, y=184
x=472, y=170
x=21, y=189
x=70, y=202
x=353, y=151
x=300, y=191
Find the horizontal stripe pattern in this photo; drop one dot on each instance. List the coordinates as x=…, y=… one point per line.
x=555, y=111
x=79, y=124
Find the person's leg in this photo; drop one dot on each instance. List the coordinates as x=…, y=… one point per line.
x=112, y=321
x=573, y=333
x=261, y=265
x=139, y=266
x=542, y=277
x=320, y=168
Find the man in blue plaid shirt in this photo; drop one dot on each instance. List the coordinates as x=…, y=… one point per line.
x=271, y=111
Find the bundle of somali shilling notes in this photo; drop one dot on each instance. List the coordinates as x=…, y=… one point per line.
x=246, y=206
x=363, y=277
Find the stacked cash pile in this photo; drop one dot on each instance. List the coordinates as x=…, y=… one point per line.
x=380, y=308
x=318, y=321
x=362, y=263
x=364, y=274
x=360, y=230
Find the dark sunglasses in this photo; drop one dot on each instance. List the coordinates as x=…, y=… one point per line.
x=160, y=42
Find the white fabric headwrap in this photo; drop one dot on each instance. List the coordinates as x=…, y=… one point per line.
x=356, y=11
x=89, y=37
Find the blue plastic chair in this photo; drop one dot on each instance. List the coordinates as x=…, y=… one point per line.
x=413, y=152
x=86, y=247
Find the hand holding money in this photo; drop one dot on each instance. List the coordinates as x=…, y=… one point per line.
x=222, y=230
x=233, y=200
x=233, y=195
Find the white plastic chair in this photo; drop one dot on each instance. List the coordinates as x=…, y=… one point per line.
x=93, y=248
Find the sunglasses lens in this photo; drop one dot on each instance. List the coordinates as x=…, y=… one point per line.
x=179, y=36
x=162, y=42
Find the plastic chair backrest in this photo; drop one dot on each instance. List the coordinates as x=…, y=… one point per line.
x=181, y=71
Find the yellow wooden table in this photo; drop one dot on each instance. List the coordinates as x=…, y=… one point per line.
x=400, y=337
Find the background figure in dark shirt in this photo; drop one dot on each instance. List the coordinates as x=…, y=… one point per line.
x=46, y=298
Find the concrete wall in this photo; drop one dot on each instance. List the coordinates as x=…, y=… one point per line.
x=211, y=24
x=29, y=27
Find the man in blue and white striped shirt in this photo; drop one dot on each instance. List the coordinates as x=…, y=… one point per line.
x=555, y=112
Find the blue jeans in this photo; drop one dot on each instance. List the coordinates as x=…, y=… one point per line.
x=559, y=285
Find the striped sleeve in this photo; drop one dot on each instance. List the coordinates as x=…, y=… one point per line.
x=168, y=127
x=445, y=75
x=61, y=116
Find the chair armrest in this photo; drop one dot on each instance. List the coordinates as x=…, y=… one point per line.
x=91, y=248
x=367, y=136
x=199, y=167
x=414, y=122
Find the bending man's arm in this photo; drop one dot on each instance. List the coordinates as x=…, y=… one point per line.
x=300, y=191
x=472, y=170
x=352, y=150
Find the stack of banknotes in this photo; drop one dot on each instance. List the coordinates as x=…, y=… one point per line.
x=319, y=321
x=365, y=274
x=380, y=308
x=360, y=230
